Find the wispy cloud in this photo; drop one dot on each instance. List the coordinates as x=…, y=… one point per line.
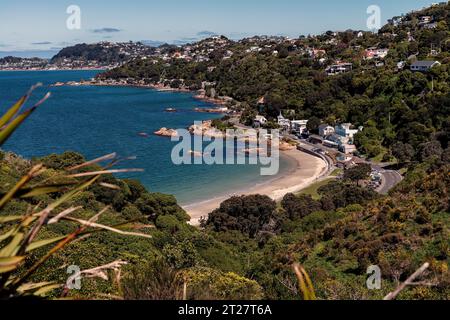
x=206, y=33
x=199, y=36
x=183, y=41
x=153, y=43
x=106, y=30
x=43, y=43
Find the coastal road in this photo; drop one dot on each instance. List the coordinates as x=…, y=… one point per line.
x=389, y=179
x=311, y=148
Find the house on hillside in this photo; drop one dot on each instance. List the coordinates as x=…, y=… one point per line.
x=299, y=126
x=259, y=121
x=325, y=130
x=396, y=21
x=425, y=20
x=283, y=122
x=346, y=133
x=424, y=66
x=375, y=53
x=341, y=137
x=317, y=53
x=339, y=68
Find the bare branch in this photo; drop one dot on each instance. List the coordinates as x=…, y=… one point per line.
x=100, y=226
x=408, y=282
x=96, y=173
x=63, y=214
x=101, y=159
x=98, y=272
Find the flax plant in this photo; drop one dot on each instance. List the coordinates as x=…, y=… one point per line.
x=19, y=232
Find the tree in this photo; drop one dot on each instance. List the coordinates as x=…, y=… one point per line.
x=429, y=150
x=284, y=53
x=247, y=214
x=182, y=255
x=446, y=155
x=358, y=173
x=404, y=152
x=339, y=194
x=301, y=206
x=313, y=124
x=368, y=141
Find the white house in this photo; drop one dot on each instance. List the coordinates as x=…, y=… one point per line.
x=339, y=68
x=348, y=148
x=424, y=66
x=425, y=19
x=346, y=132
x=259, y=121
x=341, y=138
x=396, y=21
x=325, y=130
x=375, y=53
x=283, y=122
x=299, y=126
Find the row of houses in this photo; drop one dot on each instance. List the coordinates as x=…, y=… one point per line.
x=293, y=126
x=340, y=137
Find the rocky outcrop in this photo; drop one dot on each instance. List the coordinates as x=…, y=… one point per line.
x=207, y=130
x=164, y=132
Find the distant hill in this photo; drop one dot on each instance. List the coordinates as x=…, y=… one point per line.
x=25, y=63
x=104, y=53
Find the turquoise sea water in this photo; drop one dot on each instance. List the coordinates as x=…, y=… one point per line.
x=100, y=120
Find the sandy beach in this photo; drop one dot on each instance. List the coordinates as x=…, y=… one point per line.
x=308, y=169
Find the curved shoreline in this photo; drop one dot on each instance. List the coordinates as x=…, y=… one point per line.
x=308, y=169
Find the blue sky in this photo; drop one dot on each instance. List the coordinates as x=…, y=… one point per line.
x=30, y=25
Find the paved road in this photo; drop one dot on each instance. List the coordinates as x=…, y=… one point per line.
x=389, y=180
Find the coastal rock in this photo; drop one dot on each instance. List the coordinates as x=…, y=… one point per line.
x=207, y=130
x=164, y=132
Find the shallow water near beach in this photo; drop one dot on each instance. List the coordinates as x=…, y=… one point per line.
x=100, y=120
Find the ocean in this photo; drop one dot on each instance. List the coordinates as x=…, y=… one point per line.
x=95, y=121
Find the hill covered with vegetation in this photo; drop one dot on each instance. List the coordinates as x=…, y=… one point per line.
x=103, y=53
x=247, y=247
